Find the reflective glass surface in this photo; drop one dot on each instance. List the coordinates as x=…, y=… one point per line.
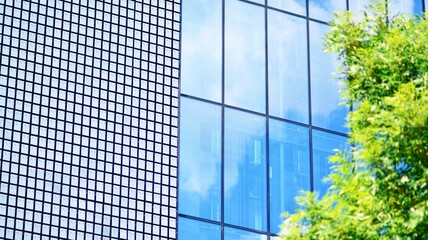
x=245, y=170
x=295, y=6
x=395, y=6
x=245, y=56
x=258, y=1
x=358, y=6
x=201, y=49
x=244, y=185
x=288, y=71
x=200, y=159
x=237, y=234
x=189, y=229
x=325, y=97
x=406, y=6
x=323, y=9
x=289, y=168
x=324, y=145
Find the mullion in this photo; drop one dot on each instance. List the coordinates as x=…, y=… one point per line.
x=266, y=115
x=223, y=101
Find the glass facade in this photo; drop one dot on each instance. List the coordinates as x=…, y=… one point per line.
x=89, y=119
x=260, y=112
x=89, y=105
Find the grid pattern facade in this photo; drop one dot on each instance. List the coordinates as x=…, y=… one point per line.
x=259, y=112
x=89, y=119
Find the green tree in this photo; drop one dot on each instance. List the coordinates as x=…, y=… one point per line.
x=378, y=188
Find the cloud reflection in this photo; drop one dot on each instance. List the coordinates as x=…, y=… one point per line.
x=200, y=159
x=245, y=56
x=202, y=49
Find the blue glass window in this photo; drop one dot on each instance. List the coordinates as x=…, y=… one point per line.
x=407, y=7
x=326, y=110
x=201, y=49
x=245, y=56
x=295, y=6
x=197, y=230
x=258, y=1
x=323, y=10
x=245, y=170
x=200, y=159
x=288, y=71
x=289, y=168
x=358, y=6
x=396, y=6
x=324, y=145
x=235, y=234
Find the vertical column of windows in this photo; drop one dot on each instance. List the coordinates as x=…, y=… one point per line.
x=245, y=141
x=305, y=120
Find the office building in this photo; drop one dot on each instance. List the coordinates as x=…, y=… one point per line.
x=90, y=98
x=259, y=112
x=89, y=119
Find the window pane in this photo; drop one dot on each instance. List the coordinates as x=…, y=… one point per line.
x=200, y=159
x=324, y=145
x=358, y=6
x=193, y=229
x=407, y=7
x=288, y=71
x=323, y=9
x=396, y=6
x=325, y=97
x=201, y=49
x=245, y=170
x=289, y=168
x=236, y=234
x=245, y=56
x=258, y=1
x=295, y=6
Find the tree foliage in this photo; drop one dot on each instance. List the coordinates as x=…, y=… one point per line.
x=379, y=188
